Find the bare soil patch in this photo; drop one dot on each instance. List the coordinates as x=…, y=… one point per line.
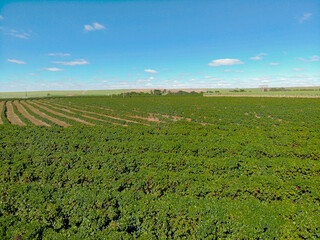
x=52, y=119
x=1, y=107
x=152, y=116
x=102, y=120
x=50, y=105
x=103, y=115
x=150, y=119
x=63, y=115
x=28, y=116
x=174, y=118
x=12, y=117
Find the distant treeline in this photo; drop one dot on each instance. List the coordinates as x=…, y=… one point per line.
x=161, y=92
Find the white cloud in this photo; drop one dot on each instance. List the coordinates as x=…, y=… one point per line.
x=224, y=62
x=105, y=78
x=297, y=69
x=73, y=63
x=88, y=28
x=32, y=74
x=141, y=80
x=211, y=78
x=274, y=64
x=16, y=61
x=19, y=34
x=59, y=54
x=15, y=33
x=1, y=17
x=262, y=79
x=54, y=69
x=185, y=74
x=258, y=57
x=230, y=70
x=150, y=71
x=314, y=58
x=95, y=26
x=305, y=17
x=299, y=76
x=192, y=80
x=149, y=79
x=214, y=79
x=98, y=26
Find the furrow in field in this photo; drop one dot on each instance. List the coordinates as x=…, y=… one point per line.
x=102, y=115
x=1, y=107
x=149, y=119
x=174, y=118
x=50, y=105
x=152, y=116
x=27, y=115
x=52, y=119
x=85, y=116
x=102, y=120
x=155, y=119
x=62, y=115
x=12, y=117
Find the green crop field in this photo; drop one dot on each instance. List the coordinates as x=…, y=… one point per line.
x=32, y=94
x=160, y=167
x=280, y=92
x=268, y=92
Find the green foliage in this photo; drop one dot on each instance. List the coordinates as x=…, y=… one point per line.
x=174, y=180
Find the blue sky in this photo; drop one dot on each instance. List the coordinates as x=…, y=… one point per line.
x=59, y=45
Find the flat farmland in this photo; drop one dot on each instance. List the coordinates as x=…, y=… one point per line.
x=160, y=167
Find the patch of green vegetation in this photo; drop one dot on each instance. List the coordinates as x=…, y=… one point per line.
x=36, y=94
x=312, y=91
x=254, y=174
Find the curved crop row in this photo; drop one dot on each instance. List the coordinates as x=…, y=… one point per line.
x=1, y=108
x=12, y=116
x=27, y=115
x=63, y=115
x=42, y=114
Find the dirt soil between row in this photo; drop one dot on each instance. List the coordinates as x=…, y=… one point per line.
x=1, y=107
x=28, y=116
x=100, y=114
x=41, y=114
x=63, y=115
x=11, y=116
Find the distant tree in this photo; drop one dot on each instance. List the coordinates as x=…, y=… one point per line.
x=157, y=92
